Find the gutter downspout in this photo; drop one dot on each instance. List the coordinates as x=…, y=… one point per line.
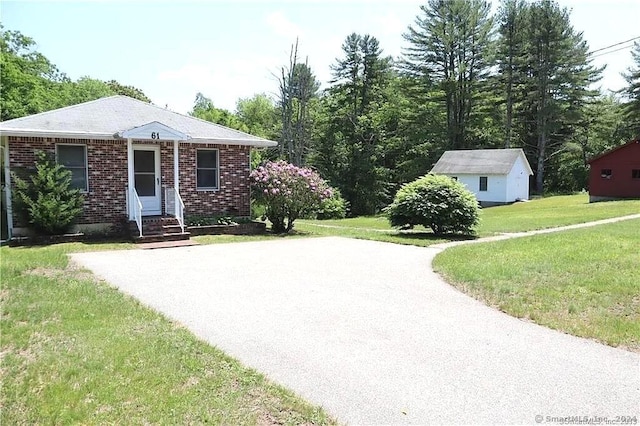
x=129, y=177
x=176, y=168
x=7, y=181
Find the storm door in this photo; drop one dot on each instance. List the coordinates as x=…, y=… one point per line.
x=146, y=175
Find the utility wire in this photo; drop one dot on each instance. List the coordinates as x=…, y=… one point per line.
x=611, y=51
x=613, y=45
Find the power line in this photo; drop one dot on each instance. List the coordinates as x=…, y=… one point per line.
x=611, y=51
x=613, y=45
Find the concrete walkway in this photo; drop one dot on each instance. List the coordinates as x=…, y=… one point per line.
x=368, y=331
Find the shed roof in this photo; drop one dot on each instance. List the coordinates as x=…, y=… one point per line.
x=110, y=117
x=479, y=161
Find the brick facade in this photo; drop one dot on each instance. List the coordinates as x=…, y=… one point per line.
x=105, y=202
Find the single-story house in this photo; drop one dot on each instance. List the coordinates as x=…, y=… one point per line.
x=132, y=160
x=615, y=174
x=495, y=176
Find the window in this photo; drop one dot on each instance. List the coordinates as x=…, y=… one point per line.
x=207, y=169
x=483, y=183
x=605, y=174
x=635, y=174
x=74, y=159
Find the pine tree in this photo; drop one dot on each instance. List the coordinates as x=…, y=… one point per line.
x=450, y=45
x=510, y=52
x=555, y=84
x=349, y=153
x=632, y=91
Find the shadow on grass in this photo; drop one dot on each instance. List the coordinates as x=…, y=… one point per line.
x=428, y=236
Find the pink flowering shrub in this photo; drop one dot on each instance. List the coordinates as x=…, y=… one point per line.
x=288, y=192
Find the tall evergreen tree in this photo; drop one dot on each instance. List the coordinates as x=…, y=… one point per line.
x=632, y=91
x=510, y=57
x=450, y=45
x=350, y=150
x=556, y=81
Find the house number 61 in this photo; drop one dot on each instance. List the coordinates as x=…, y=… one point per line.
x=155, y=135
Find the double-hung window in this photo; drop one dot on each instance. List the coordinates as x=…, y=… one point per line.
x=207, y=169
x=74, y=159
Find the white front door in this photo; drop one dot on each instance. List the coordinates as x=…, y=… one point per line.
x=146, y=177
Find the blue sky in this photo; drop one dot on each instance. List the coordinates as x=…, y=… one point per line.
x=230, y=50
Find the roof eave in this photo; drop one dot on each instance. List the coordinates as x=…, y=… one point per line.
x=258, y=143
x=469, y=173
x=604, y=154
x=55, y=134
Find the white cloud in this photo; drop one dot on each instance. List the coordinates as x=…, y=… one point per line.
x=282, y=26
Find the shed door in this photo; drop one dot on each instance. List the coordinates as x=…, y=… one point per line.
x=146, y=175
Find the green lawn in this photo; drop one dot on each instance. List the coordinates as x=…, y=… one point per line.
x=75, y=350
x=551, y=212
x=584, y=282
x=537, y=214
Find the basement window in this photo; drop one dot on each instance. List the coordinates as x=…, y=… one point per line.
x=483, y=183
x=635, y=174
x=605, y=174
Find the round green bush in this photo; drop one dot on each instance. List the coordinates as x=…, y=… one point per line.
x=437, y=202
x=334, y=207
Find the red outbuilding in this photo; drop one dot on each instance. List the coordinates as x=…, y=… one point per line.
x=616, y=173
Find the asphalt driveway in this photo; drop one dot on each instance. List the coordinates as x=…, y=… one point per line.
x=369, y=332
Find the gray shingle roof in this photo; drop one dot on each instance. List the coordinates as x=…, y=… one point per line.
x=479, y=161
x=105, y=117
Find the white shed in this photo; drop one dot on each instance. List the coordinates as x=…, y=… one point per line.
x=495, y=176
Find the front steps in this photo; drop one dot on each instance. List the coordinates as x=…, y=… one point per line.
x=158, y=228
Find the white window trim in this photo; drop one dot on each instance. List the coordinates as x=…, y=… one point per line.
x=86, y=163
x=216, y=188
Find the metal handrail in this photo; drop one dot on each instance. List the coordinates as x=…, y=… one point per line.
x=137, y=209
x=174, y=206
x=180, y=210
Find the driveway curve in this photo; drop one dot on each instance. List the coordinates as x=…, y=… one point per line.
x=368, y=331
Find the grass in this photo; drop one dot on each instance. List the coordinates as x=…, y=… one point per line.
x=537, y=214
x=551, y=212
x=75, y=350
x=223, y=239
x=583, y=282
x=421, y=238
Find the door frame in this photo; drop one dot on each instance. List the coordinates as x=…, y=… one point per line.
x=157, y=200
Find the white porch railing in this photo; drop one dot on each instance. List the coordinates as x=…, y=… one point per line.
x=174, y=206
x=136, y=208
